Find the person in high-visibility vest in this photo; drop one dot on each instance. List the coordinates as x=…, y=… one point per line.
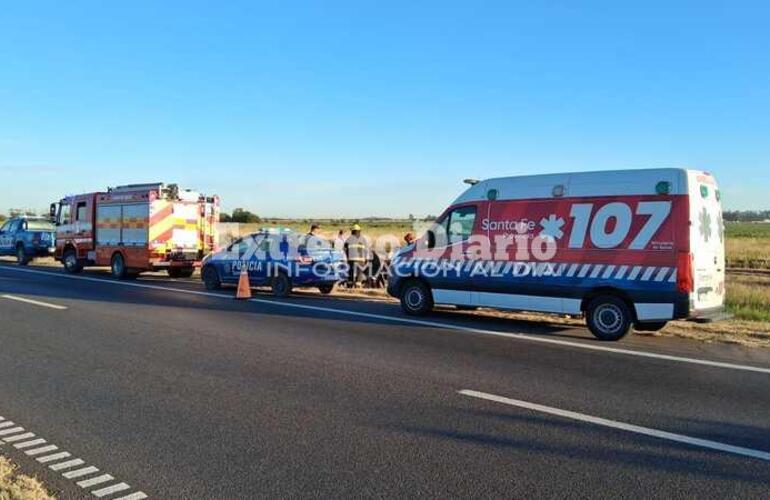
x=357, y=253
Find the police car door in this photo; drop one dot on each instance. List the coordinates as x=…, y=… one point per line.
x=6, y=237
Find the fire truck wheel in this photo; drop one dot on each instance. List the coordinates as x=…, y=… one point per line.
x=211, y=278
x=118, y=265
x=180, y=272
x=281, y=285
x=326, y=288
x=21, y=255
x=608, y=317
x=416, y=298
x=71, y=263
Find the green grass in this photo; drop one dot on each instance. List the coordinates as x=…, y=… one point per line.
x=748, y=297
x=747, y=230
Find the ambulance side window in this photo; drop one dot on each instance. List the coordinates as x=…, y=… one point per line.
x=460, y=224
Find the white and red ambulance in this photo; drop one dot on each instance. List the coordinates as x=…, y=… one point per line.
x=627, y=248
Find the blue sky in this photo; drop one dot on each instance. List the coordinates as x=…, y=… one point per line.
x=376, y=108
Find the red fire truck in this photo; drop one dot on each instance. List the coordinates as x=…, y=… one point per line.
x=135, y=228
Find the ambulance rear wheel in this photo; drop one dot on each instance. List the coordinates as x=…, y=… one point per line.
x=118, y=266
x=71, y=263
x=416, y=299
x=608, y=317
x=210, y=278
x=281, y=285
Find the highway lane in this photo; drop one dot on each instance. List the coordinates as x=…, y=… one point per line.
x=189, y=396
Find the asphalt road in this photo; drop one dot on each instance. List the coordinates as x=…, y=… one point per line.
x=176, y=393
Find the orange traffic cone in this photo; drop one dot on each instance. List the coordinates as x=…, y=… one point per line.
x=244, y=287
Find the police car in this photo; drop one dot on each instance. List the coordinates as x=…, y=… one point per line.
x=27, y=238
x=280, y=259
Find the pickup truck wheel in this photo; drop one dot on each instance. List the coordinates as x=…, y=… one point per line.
x=210, y=278
x=608, y=317
x=416, y=298
x=21, y=256
x=326, y=288
x=281, y=285
x=71, y=262
x=118, y=266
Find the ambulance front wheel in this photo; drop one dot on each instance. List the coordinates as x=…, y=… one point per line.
x=416, y=299
x=608, y=317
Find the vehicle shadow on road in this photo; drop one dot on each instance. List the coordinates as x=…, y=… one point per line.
x=582, y=442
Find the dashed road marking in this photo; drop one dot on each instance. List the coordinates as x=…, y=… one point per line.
x=80, y=472
x=19, y=437
x=29, y=444
x=44, y=449
x=34, y=302
x=66, y=465
x=15, y=430
x=410, y=321
x=54, y=457
x=62, y=461
x=133, y=496
x=87, y=483
x=637, y=429
x=109, y=490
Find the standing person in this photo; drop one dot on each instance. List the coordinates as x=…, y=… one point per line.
x=339, y=241
x=312, y=240
x=356, y=252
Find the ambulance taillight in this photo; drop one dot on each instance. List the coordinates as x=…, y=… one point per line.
x=684, y=273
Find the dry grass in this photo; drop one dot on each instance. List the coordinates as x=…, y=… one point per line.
x=15, y=486
x=750, y=253
x=748, y=296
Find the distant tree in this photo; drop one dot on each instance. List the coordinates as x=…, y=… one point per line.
x=16, y=212
x=244, y=217
x=429, y=218
x=411, y=217
x=2, y=217
x=746, y=215
x=225, y=217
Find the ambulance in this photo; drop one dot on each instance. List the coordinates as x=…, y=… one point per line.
x=136, y=228
x=623, y=249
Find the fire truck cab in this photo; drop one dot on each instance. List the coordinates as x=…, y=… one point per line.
x=136, y=228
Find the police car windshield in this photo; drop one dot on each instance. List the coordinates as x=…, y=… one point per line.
x=39, y=225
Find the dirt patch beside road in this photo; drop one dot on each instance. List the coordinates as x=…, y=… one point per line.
x=16, y=486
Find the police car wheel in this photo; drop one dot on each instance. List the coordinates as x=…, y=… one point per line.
x=326, y=288
x=118, y=266
x=21, y=256
x=211, y=278
x=416, y=299
x=281, y=285
x=608, y=317
x=71, y=263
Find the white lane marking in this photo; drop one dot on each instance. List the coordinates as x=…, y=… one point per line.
x=109, y=490
x=34, y=302
x=5, y=432
x=66, y=465
x=133, y=496
x=5, y=424
x=87, y=483
x=44, y=449
x=27, y=444
x=80, y=472
x=670, y=436
x=54, y=457
x=432, y=324
x=19, y=437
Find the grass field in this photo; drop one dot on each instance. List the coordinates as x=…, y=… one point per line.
x=15, y=486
